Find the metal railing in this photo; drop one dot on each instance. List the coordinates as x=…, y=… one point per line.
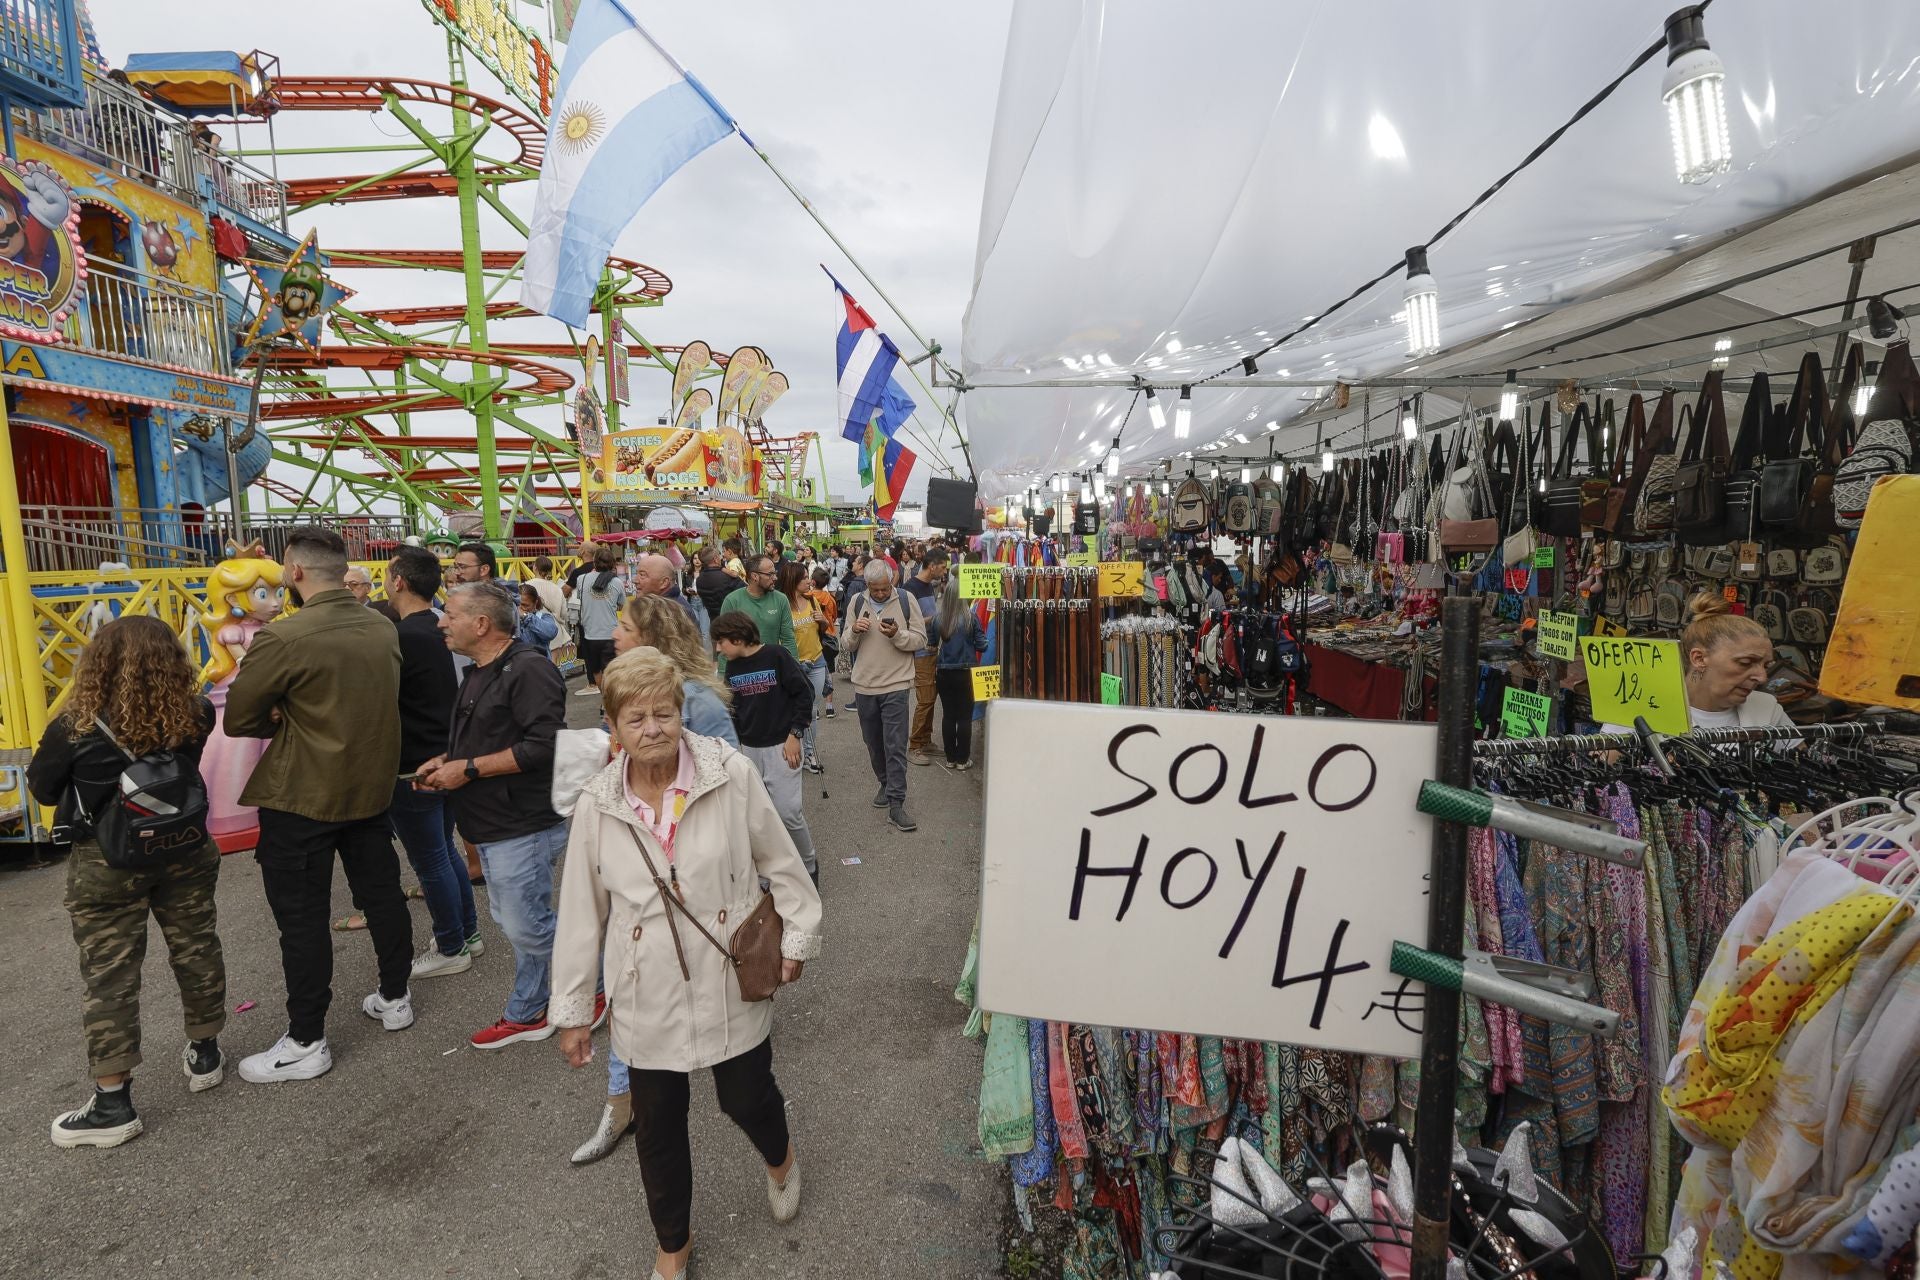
x=120, y=130
x=81, y=539
x=239, y=186
x=40, y=50
x=153, y=318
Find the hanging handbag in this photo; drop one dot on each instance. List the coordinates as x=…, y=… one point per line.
x=1237, y=512
x=1517, y=548
x=1626, y=458
x=1654, y=471
x=1824, y=566
x=1505, y=471
x=1743, y=468
x=1595, y=487
x=1700, y=481
x=1786, y=478
x=1473, y=526
x=755, y=953
x=1818, y=519
x=1189, y=507
x=1560, y=513
x=1269, y=502
x=1889, y=439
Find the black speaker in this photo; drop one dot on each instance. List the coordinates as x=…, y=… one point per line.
x=950, y=506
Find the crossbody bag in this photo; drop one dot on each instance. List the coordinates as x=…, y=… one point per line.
x=755, y=953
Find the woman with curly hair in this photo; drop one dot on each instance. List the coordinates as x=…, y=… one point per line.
x=134, y=678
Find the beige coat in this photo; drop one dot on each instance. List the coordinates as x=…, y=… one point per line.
x=611, y=915
x=880, y=664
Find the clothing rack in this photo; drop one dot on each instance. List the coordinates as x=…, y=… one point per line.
x=1850, y=731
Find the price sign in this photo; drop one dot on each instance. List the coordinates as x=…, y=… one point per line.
x=1082, y=559
x=1525, y=715
x=986, y=683
x=1607, y=627
x=1628, y=677
x=1195, y=873
x=1124, y=578
x=1559, y=635
x=1111, y=688
x=980, y=581
x=1545, y=557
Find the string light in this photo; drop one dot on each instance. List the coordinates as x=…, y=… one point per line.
x=1695, y=91
x=1864, y=392
x=1279, y=470
x=1183, y=414
x=1213, y=471
x=1326, y=460
x=1721, y=346
x=1423, y=305
x=1246, y=475
x=1155, y=413
x=1113, y=458
x=1509, y=399
x=1409, y=420
x=1248, y=367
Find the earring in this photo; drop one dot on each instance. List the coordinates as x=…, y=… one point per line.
x=236, y=611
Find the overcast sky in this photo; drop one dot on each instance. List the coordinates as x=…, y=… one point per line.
x=881, y=114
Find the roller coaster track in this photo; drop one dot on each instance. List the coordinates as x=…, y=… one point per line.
x=653, y=282
x=542, y=380
x=338, y=93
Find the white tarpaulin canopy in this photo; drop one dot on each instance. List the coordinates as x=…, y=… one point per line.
x=1172, y=188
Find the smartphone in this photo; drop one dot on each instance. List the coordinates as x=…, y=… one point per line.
x=409, y=777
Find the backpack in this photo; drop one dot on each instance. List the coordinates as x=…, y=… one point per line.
x=1238, y=511
x=1189, y=507
x=1884, y=448
x=158, y=810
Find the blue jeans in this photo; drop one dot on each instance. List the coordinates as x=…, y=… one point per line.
x=520, y=900
x=424, y=822
x=816, y=672
x=618, y=1081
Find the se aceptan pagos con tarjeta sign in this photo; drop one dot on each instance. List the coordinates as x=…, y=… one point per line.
x=1220, y=875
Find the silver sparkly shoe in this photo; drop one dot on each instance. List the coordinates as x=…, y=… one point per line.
x=785, y=1196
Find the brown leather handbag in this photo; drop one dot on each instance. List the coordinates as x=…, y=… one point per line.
x=755, y=953
x=1620, y=493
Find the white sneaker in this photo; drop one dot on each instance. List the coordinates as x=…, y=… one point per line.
x=287, y=1060
x=394, y=1015
x=431, y=964
x=475, y=947
x=586, y=691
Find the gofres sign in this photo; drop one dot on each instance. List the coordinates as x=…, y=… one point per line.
x=1185, y=871
x=514, y=53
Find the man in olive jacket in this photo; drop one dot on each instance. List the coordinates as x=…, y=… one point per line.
x=324, y=685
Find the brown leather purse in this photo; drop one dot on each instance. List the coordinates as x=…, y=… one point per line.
x=755, y=954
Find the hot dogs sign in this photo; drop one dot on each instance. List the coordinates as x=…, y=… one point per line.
x=679, y=454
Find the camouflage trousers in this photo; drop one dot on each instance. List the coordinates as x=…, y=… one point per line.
x=109, y=911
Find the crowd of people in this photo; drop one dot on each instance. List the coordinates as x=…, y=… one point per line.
x=433, y=718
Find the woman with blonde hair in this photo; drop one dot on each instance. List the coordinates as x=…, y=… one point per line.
x=659, y=623
x=1727, y=657
x=135, y=694
x=679, y=814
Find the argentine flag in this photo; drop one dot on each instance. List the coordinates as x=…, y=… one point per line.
x=626, y=116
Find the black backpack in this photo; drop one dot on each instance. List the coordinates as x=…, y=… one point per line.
x=157, y=813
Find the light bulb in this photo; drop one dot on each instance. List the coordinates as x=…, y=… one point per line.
x=1156, y=414
x=1423, y=306
x=1409, y=421
x=1278, y=470
x=1213, y=471
x=1864, y=392
x=1183, y=414
x=1099, y=487
x=1721, y=346
x=1166, y=488
x=1246, y=475
x=1326, y=460
x=1695, y=91
x=1113, y=459
x=1509, y=399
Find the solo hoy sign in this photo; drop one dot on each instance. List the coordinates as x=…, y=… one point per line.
x=1188, y=871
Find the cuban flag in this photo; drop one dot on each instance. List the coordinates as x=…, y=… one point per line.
x=866, y=359
x=626, y=117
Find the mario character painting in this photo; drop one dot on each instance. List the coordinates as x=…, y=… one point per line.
x=300, y=290
x=33, y=217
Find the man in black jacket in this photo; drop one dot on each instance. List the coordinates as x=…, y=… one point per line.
x=498, y=767
x=714, y=584
x=423, y=819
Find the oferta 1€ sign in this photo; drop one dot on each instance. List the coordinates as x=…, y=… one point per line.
x=514, y=53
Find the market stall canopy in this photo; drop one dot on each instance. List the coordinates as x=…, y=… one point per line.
x=208, y=83
x=1169, y=193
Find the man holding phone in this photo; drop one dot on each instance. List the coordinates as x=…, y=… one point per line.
x=882, y=632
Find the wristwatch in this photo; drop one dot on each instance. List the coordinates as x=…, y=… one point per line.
x=473, y=770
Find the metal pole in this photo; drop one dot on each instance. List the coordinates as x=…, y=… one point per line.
x=1446, y=910
x=24, y=632
x=1858, y=255
x=467, y=184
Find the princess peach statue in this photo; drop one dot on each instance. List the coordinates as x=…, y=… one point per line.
x=243, y=595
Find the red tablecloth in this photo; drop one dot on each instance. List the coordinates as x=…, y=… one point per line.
x=1369, y=690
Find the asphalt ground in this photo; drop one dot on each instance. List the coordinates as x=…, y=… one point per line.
x=418, y=1156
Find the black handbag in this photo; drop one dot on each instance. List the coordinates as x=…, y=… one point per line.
x=1506, y=471
x=1700, y=481
x=1743, y=475
x=1786, y=478
x=1560, y=513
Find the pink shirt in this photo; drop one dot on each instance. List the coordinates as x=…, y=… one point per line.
x=664, y=824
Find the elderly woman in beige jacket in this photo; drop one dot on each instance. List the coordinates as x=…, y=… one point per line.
x=698, y=808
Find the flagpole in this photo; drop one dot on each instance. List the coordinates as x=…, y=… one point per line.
x=931, y=350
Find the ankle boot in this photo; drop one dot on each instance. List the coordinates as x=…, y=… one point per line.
x=616, y=1121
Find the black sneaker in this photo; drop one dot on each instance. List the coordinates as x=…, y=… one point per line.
x=107, y=1120
x=897, y=815
x=205, y=1065
x=880, y=798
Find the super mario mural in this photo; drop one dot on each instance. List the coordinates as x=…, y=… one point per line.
x=41, y=261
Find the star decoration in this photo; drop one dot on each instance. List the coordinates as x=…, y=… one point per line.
x=187, y=232
x=299, y=281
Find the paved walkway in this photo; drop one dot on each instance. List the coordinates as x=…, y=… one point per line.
x=420, y=1157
